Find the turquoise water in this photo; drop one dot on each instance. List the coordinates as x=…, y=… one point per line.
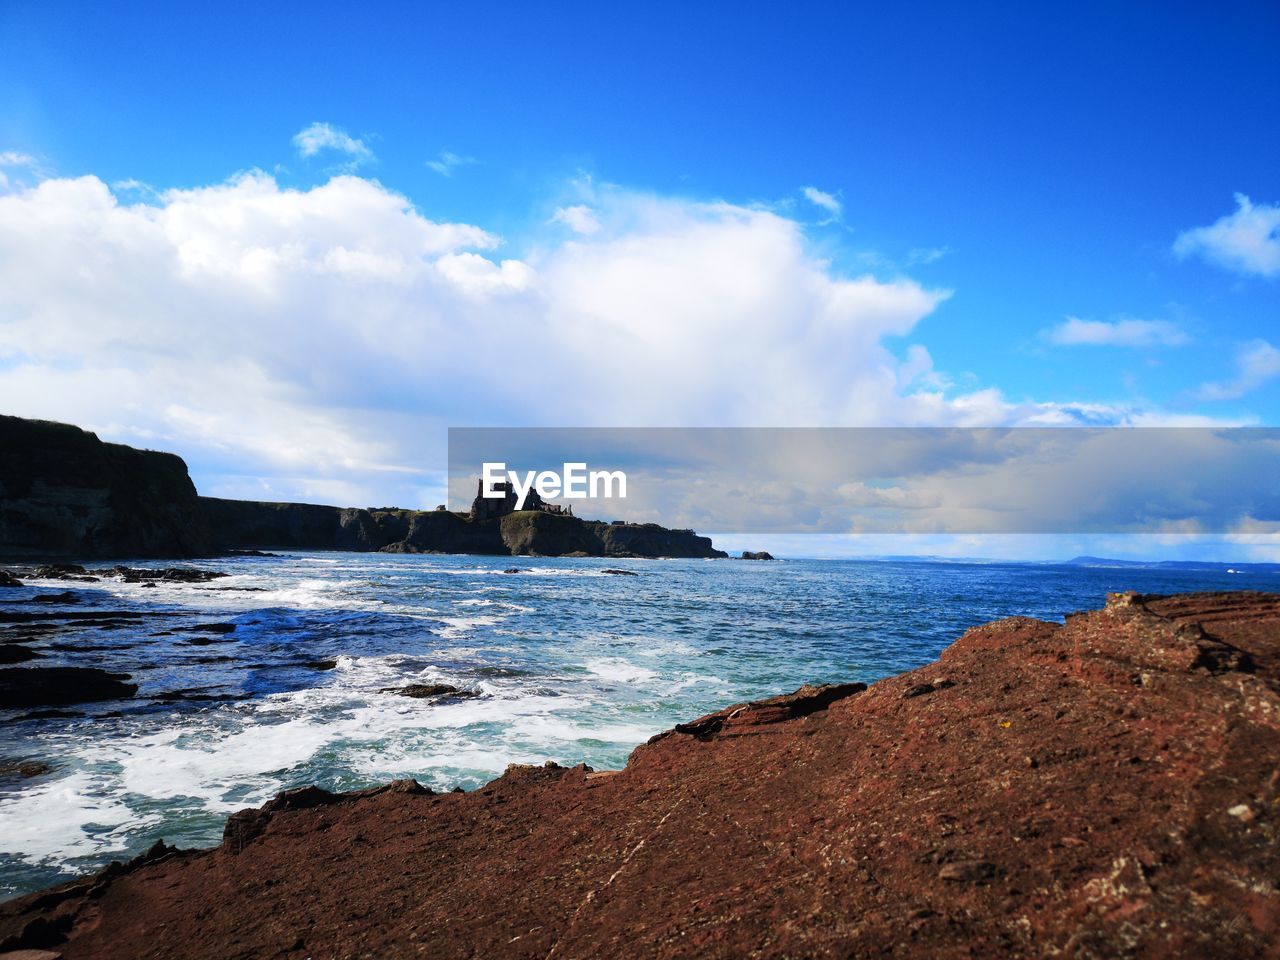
x=571, y=664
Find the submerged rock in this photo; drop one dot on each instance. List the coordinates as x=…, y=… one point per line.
x=423, y=691
x=59, y=686
x=7, y=579
x=65, y=597
x=167, y=574
x=23, y=769
x=63, y=571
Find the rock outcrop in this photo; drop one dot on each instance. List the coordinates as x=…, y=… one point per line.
x=1107, y=787
x=241, y=524
x=60, y=686
x=63, y=492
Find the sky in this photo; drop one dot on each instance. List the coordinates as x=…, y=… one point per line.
x=295, y=243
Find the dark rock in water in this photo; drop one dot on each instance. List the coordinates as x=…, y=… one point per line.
x=756, y=555
x=213, y=628
x=621, y=573
x=57, y=686
x=252, y=553
x=422, y=691
x=63, y=571
x=57, y=571
x=23, y=769
x=167, y=574
x=320, y=664
x=65, y=597
x=13, y=653
x=49, y=715
x=513, y=570
x=195, y=696
x=7, y=579
x=149, y=585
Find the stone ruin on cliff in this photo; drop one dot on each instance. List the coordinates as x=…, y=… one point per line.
x=486, y=508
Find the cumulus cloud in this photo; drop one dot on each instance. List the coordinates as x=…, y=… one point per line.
x=315, y=343
x=1127, y=332
x=447, y=162
x=1247, y=241
x=1257, y=363
x=319, y=137
x=825, y=201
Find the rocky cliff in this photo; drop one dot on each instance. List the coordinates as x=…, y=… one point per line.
x=1107, y=787
x=241, y=524
x=63, y=492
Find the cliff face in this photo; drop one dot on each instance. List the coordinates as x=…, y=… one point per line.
x=1109, y=787
x=552, y=535
x=241, y=524
x=63, y=492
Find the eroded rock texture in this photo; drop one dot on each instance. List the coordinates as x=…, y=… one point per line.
x=1104, y=788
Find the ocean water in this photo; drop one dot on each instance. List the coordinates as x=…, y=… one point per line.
x=571, y=664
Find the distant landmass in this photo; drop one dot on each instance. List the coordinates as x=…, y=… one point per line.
x=1213, y=566
x=64, y=493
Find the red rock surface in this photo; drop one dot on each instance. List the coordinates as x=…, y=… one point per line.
x=1105, y=788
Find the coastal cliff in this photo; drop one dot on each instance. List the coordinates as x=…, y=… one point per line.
x=66, y=494
x=63, y=492
x=1101, y=788
x=241, y=524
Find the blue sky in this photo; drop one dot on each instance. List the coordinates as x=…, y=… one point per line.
x=1029, y=168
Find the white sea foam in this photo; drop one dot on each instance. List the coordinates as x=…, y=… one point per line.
x=455, y=627
x=52, y=821
x=619, y=671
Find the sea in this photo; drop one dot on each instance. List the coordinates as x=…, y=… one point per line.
x=560, y=660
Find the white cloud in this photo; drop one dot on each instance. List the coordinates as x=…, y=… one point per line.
x=1257, y=362
x=1127, y=332
x=1247, y=241
x=21, y=166
x=317, y=342
x=923, y=256
x=447, y=162
x=13, y=158
x=579, y=218
x=826, y=201
x=318, y=137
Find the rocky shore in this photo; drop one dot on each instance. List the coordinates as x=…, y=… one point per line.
x=1109, y=787
x=66, y=494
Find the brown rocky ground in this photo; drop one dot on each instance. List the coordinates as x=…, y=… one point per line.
x=1101, y=789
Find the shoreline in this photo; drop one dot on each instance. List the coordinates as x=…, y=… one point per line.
x=1104, y=782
